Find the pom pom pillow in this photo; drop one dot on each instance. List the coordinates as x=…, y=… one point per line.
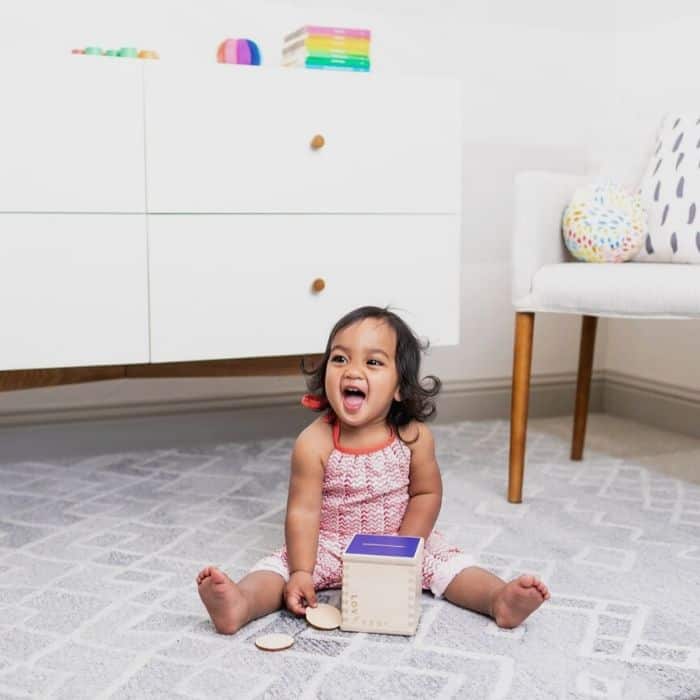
x=670, y=190
x=604, y=223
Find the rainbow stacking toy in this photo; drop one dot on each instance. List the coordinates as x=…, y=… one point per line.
x=242, y=51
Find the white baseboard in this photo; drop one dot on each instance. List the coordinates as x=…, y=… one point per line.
x=659, y=404
x=31, y=434
x=550, y=395
x=134, y=409
x=126, y=427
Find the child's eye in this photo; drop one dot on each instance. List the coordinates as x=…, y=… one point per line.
x=374, y=363
x=338, y=359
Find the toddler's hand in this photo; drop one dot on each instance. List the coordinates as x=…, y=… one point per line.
x=299, y=592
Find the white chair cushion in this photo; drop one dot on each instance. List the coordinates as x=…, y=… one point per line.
x=615, y=289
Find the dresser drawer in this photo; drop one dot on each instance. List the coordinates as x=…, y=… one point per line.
x=72, y=290
x=71, y=136
x=389, y=145
x=226, y=286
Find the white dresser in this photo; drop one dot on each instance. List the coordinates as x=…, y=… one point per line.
x=155, y=213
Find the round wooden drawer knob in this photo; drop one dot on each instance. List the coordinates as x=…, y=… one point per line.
x=317, y=142
x=318, y=285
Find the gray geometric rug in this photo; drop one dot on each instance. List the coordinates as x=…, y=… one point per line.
x=98, y=559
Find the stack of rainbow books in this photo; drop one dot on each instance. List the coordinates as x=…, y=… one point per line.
x=334, y=48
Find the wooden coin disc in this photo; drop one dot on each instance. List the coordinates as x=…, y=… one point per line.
x=274, y=642
x=323, y=616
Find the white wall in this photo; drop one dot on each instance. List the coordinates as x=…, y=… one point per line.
x=515, y=59
x=656, y=65
x=534, y=77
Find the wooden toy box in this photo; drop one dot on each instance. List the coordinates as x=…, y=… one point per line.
x=382, y=584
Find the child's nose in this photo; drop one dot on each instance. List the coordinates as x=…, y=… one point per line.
x=353, y=371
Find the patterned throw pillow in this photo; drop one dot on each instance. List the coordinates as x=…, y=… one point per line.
x=604, y=222
x=670, y=190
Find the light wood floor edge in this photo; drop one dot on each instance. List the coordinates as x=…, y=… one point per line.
x=14, y=380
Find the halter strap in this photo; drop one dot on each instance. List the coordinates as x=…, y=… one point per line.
x=350, y=450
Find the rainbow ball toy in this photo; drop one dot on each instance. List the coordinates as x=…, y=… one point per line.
x=604, y=223
x=241, y=51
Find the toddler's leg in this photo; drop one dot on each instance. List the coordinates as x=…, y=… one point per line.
x=233, y=605
x=508, y=604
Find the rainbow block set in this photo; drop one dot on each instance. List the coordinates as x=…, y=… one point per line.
x=334, y=48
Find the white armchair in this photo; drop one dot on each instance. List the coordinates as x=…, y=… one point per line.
x=546, y=279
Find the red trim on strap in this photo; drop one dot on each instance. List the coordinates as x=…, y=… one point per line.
x=366, y=451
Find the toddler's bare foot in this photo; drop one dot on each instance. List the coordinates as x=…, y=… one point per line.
x=225, y=602
x=517, y=600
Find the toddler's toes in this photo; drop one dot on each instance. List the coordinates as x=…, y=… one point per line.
x=527, y=581
x=204, y=573
x=540, y=586
x=218, y=576
x=517, y=600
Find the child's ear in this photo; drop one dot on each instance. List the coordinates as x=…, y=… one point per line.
x=397, y=394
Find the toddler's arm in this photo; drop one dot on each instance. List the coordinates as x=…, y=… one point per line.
x=425, y=485
x=302, y=521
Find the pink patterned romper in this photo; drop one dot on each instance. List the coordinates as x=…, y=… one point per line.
x=367, y=491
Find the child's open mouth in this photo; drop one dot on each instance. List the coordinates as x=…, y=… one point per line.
x=352, y=399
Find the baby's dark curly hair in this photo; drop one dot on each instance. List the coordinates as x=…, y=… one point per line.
x=416, y=395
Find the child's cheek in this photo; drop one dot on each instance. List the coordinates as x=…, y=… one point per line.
x=331, y=390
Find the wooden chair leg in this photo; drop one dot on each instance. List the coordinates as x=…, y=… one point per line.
x=583, y=384
x=522, y=364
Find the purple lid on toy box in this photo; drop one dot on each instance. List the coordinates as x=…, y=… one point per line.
x=383, y=545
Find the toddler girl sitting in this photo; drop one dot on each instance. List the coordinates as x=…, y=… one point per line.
x=367, y=464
